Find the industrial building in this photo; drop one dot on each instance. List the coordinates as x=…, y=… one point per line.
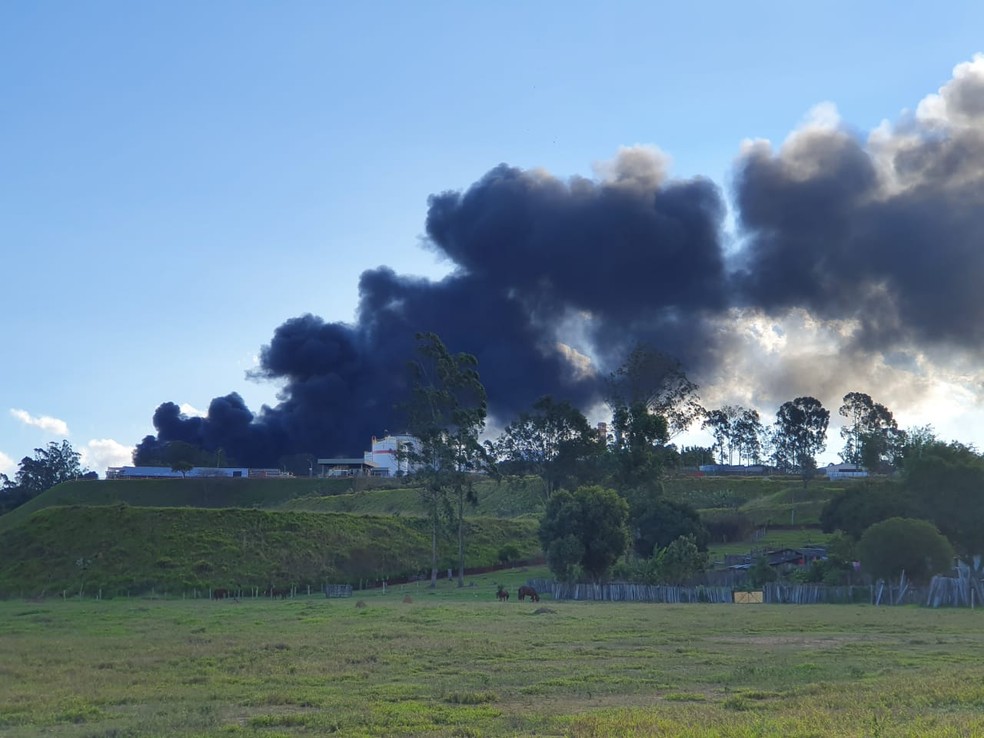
x=165, y=472
x=382, y=460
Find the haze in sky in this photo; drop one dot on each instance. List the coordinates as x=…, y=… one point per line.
x=261, y=204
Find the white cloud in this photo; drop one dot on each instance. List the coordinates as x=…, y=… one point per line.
x=44, y=422
x=101, y=453
x=7, y=465
x=191, y=411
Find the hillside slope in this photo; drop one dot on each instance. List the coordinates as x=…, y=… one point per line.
x=123, y=549
x=203, y=492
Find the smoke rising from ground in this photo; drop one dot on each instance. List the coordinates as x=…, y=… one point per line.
x=858, y=261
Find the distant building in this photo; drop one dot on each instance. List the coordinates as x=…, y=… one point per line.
x=734, y=469
x=846, y=471
x=166, y=472
x=346, y=467
x=385, y=454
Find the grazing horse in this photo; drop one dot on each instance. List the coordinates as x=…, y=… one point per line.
x=220, y=594
x=502, y=594
x=281, y=593
x=527, y=591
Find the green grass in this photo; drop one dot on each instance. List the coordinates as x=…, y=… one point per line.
x=454, y=662
x=123, y=549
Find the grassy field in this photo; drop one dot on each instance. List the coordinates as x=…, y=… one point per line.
x=457, y=663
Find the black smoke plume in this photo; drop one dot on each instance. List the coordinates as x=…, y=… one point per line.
x=555, y=280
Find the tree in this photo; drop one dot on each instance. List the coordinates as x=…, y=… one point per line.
x=446, y=414
x=638, y=439
x=680, y=561
x=946, y=484
x=904, y=544
x=736, y=430
x=696, y=455
x=856, y=509
x=584, y=530
x=872, y=437
x=52, y=465
x=182, y=466
x=656, y=522
x=658, y=383
x=800, y=433
x=553, y=441
x=719, y=423
x=761, y=573
x=748, y=434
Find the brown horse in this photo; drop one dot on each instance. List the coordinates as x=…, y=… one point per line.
x=527, y=591
x=502, y=594
x=277, y=592
x=220, y=594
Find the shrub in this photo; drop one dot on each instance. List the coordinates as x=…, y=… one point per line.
x=904, y=544
x=726, y=526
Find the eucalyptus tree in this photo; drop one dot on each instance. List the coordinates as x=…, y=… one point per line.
x=554, y=441
x=799, y=434
x=871, y=434
x=446, y=414
x=657, y=382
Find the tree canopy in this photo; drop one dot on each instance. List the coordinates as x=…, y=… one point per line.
x=584, y=531
x=51, y=465
x=904, y=544
x=946, y=484
x=871, y=435
x=736, y=430
x=554, y=441
x=658, y=383
x=800, y=433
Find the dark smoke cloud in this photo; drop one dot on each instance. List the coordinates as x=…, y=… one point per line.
x=627, y=256
x=884, y=234
x=888, y=231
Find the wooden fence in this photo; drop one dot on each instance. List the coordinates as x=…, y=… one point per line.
x=776, y=593
x=622, y=592
x=338, y=590
x=964, y=590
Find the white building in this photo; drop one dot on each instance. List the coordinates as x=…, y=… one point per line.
x=164, y=472
x=846, y=471
x=384, y=456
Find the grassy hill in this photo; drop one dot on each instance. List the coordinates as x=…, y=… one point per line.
x=123, y=548
x=204, y=492
x=199, y=533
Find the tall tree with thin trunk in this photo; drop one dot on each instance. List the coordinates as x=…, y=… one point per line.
x=446, y=415
x=800, y=434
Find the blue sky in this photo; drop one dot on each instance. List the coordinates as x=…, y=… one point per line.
x=177, y=179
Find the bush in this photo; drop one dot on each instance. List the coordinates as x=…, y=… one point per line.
x=509, y=552
x=904, y=544
x=727, y=526
x=761, y=573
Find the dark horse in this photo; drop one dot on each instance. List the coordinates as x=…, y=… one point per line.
x=527, y=591
x=502, y=594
